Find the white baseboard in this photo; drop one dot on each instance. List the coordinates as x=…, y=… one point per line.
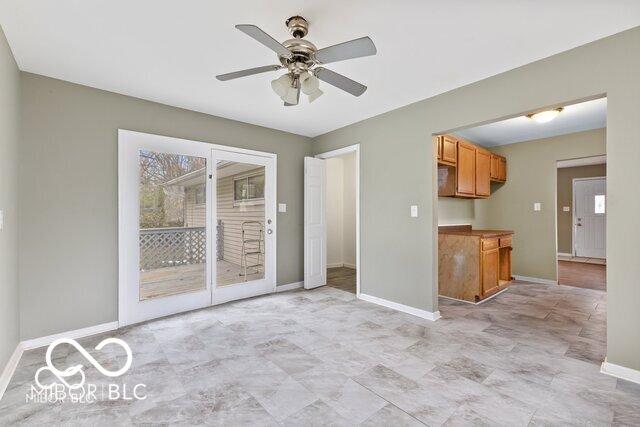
x=401, y=307
x=620, y=372
x=564, y=254
x=289, y=286
x=335, y=265
x=535, y=280
x=10, y=368
x=78, y=333
x=346, y=264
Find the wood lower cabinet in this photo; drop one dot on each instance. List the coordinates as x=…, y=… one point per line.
x=466, y=170
x=473, y=264
x=490, y=266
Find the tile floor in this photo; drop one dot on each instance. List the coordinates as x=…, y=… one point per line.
x=530, y=356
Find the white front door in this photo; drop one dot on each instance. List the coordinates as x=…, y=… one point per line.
x=244, y=215
x=315, y=223
x=589, y=202
x=196, y=225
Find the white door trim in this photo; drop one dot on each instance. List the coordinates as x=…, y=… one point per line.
x=573, y=209
x=189, y=147
x=355, y=148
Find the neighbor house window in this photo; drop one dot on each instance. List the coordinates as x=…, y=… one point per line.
x=248, y=189
x=600, y=203
x=200, y=198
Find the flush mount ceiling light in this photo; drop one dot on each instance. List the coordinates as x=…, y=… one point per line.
x=545, y=116
x=302, y=61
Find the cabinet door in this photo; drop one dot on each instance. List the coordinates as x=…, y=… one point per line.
x=490, y=271
x=483, y=173
x=466, y=184
x=449, y=149
x=495, y=164
x=502, y=169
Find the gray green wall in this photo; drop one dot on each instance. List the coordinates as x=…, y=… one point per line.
x=399, y=253
x=565, y=198
x=9, y=137
x=69, y=195
x=532, y=178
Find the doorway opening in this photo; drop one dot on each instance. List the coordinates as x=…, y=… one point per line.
x=332, y=220
x=581, y=222
x=341, y=222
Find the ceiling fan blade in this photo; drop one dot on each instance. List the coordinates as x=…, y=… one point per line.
x=340, y=81
x=247, y=72
x=352, y=49
x=264, y=38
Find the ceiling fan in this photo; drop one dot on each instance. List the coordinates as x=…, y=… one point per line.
x=303, y=62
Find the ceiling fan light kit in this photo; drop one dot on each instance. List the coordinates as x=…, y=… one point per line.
x=302, y=61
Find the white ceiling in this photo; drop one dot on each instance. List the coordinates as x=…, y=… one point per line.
x=574, y=118
x=170, y=51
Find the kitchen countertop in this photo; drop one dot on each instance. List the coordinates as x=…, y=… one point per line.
x=473, y=232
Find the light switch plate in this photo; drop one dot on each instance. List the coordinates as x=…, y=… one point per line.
x=566, y=209
x=282, y=207
x=537, y=206
x=414, y=211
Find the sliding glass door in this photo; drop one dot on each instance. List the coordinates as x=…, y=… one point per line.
x=197, y=225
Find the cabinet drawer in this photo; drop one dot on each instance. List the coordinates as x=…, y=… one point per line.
x=488, y=244
x=505, y=242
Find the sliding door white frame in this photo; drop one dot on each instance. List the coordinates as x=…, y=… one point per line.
x=129, y=144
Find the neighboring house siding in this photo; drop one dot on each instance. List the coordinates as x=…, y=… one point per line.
x=194, y=215
x=232, y=217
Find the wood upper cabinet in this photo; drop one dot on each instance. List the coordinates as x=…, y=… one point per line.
x=466, y=174
x=490, y=266
x=502, y=169
x=448, y=150
x=465, y=169
x=498, y=168
x=483, y=173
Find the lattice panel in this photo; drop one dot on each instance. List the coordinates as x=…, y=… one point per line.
x=172, y=247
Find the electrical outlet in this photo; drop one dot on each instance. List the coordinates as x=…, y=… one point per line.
x=566, y=209
x=282, y=207
x=537, y=206
x=414, y=211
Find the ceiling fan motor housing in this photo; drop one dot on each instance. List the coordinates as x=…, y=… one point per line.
x=298, y=26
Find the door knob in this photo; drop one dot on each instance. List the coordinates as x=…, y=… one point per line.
x=579, y=225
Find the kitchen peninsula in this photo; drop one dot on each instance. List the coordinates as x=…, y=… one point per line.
x=473, y=264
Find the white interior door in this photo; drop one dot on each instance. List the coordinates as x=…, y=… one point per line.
x=165, y=254
x=589, y=220
x=244, y=216
x=315, y=223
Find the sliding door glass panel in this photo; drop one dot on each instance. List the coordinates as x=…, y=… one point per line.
x=172, y=220
x=240, y=214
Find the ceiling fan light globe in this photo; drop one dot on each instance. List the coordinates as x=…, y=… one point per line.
x=291, y=96
x=315, y=95
x=281, y=85
x=310, y=85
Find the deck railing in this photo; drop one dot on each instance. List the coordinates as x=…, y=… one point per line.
x=170, y=247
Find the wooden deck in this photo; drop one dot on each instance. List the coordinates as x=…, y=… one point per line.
x=163, y=282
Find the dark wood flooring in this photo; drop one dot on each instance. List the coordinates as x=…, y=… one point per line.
x=582, y=275
x=342, y=278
